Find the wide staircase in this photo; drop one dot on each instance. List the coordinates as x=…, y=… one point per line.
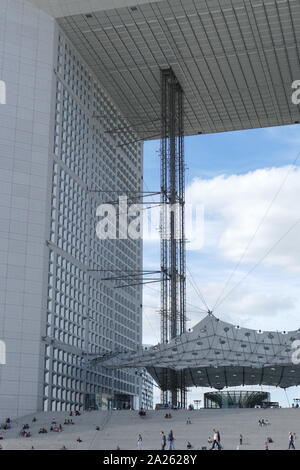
x=121, y=429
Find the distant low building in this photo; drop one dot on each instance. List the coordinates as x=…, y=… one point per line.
x=236, y=399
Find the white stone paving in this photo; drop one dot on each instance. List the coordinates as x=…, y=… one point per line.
x=121, y=428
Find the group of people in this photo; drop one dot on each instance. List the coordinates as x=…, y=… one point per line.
x=6, y=425
x=167, y=441
x=43, y=431
x=68, y=421
x=75, y=413
x=263, y=422
x=291, y=439
x=25, y=431
x=56, y=428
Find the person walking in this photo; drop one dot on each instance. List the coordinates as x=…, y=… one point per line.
x=291, y=441
x=241, y=439
x=139, y=442
x=163, y=441
x=216, y=440
x=171, y=440
x=219, y=439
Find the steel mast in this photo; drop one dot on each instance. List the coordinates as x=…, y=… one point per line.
x=173, y=261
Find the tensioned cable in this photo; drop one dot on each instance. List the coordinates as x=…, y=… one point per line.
x=197, y=289
x=198, y=293
x=260, y=261
x=291, y=167
x=191, y=310
x=152, y=288
x=193, y=283
x=154, y=204
x=196, y=307
x=150, y=323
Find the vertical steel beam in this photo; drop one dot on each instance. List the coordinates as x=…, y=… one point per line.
x=173, y=264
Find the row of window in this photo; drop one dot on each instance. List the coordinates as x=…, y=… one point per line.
x=81, y=309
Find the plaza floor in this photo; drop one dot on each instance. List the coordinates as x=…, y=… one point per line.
x=121, y=429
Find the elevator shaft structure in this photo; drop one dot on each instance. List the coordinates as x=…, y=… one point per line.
x=173, y=262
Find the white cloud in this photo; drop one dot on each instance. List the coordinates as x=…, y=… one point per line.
x=234, y=207
x=267, y=297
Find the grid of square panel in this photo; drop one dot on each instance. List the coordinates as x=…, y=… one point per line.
x=94, y=149
x=235, y=59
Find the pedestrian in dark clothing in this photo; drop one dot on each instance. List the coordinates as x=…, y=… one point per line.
x=291, y=441
x=171, y=440
x=163, y=441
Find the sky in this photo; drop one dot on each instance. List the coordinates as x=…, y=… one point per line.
x=244, y=252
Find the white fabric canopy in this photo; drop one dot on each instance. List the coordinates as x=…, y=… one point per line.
x=217, y=354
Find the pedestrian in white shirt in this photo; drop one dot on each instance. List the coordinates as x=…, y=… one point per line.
x=139, y=442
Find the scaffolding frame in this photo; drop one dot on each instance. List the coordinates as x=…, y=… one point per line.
x=173, y=258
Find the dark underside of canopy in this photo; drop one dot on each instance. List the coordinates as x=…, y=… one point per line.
x=220, y=377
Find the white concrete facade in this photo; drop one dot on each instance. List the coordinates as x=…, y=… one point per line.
x=85, y=315
x=26, y=64
x=52, y=310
